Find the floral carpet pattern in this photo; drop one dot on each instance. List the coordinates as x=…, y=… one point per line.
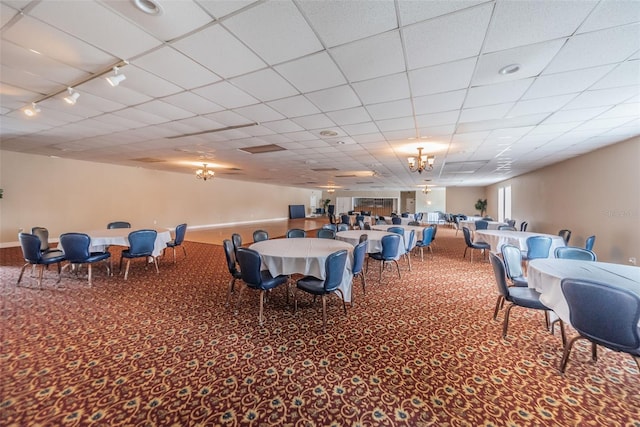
x=164, y=349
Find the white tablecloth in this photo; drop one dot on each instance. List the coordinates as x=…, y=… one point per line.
x=100, y=239
x=366, y=220
x=471, y=224
x=545, y=276
x=407, y=231
x=304, y=256
x=374, y=242
x=498, y=238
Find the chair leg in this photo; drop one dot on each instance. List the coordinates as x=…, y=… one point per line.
x=344, y=305
x=364, y=282
x=126, y=271
x=398, y=266
x=260, y=317
x=324, y=312
x=174, y=254
x=498, y=305
x=184, y=250
x=565, y=354
x=594, y=352
x=637, y=359
x=240, y=292
x=89, y=270
x=22, y=272
x=155, y=261
x=505, y=323
x=230, y=290
x=40, y=274
x=409, y=260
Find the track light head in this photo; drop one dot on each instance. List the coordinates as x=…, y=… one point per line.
x=116, y=79
x=33, y=110
x=72, y=97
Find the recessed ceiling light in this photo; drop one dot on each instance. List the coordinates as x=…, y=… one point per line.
x=150, y=7
x=509, y=69
x=328, y=133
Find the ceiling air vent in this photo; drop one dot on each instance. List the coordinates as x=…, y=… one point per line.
x=324, y=169
x=259, y=149
x=346, y=176
x=147, y=160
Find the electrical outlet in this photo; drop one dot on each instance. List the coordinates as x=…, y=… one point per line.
x=632, y=260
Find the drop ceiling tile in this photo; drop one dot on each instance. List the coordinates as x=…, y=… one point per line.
x=127, y=42
x=531, y=21
x=149, y=84
x=276, y=31
x=439, y=102
x=336, y=98
x=265, y=85
x=442, y=78
x=412, y=11
x=497, y=93
x=225, y=94
x=339, y=22
x=312, y=73
x=372, y=57
x=436, y=119
x=301, y=136
x=226, y=57
x=172, y=65
x=6, y=14
x=540, y=105
x=294, y=106
x=622, y=110
x=602, y=97
x=140, y=116
x=15, y=77
x=563, y=83
x=625, y=74
x=440, y=40
x=164, y=109
x=121, y=94
x=228, y=118
x=532, y=59
x=396, y=124
x=366, y=128
x=259, y=113
x=382, y=89
x=611, y=14
x=575, y=115
x=283, y=126
x=315, y=121
x=593, y=49
x=602, y=124
x=349, y=116
x=191, y=102
x=177, y=17
x=390, y=110
x=490, y=112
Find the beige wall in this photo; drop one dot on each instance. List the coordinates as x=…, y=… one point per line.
x=70, y=195
x=597, y=193
x=462, y=200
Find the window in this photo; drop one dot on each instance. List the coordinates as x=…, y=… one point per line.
x=504, y=203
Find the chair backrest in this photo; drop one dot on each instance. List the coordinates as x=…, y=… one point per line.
x=236, y=239
x=396, y=220
x=359, y=254
x=512, y=223
x=43, y=235
x=260, y=235
x=499, y=272
x=390, y=245
x=141, y=242
x=325, y=233
x=360, y=218
x=230, y=256
x=119, y=224
x=344, y=219
x=332, y=219
x=333, y=227
x=250, y=262
x=591, y=315
x=361, y=225
x=467, y=236
x=435, y=231
x=524, y=225
x=507, y=227
x=367, y=226
x=414, y=223
x=30, y=245
x=591, y=240
x=296, y=233
x=75, y=246
x=427, y=235
x=412, y=240
x=571, y=252
x=538, y=247
x=565, y=234
x=343, y=227
x=181, y=230
x=512, y=261
x=482, y=224
x=487, y=218
x=363, y=238
x=381, y=221
x=404, y=214
x=397, y=230
x=334, y=269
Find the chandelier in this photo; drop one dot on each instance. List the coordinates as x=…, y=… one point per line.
x=204, y=173
x=421, y=162
x=331, y=190
x=426, y=190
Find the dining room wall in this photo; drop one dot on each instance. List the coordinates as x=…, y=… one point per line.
x=597, y=193
x=461, y=200
x=72, y=195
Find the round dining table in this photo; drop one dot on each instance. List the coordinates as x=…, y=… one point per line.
x=102, y=238
x=498, y=238
x=304, y=256
x=546, y=275
x=374, y=239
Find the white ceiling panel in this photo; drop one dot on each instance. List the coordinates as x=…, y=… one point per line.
x=496, y=93
x=625, y=74
x=366, y=128
x=336, y=98
x=370, y=58
x=382, y=89
x=349, y=116
x=227, y=57
x=148, y=83
x=259, y=113
x=442, y=78
x=226, y=94
x=191, y=102
x=413, y=11
x=277, y=32
x=313, y=72
x=437, y=119
x=390, y=110
x=439, y=102
x=6, y=14
x=569, y=82
x=576, y=115
x=611, y=14
x=489, y=112
x=596, y=98
x=339, y=22
x=121, y=94
x=172, y=65
x=166, y=110
x=540, y=105
x=295, y=106
x=265, y=85
x=439, y=40
x=315, y=121
x=622, y=110
x=519, y=23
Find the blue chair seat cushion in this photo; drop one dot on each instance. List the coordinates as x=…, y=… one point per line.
x=421, y=243
x=52, y=257
x=268, y=281
x=526, y=297
x=377, y=256
x=127, y=254
x=172, y=244
x=480, y=245
x=312, y=285
x=520, y=282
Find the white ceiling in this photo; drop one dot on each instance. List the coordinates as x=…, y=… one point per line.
x=386, y=76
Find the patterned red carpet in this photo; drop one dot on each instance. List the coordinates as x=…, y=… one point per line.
x=420, y=351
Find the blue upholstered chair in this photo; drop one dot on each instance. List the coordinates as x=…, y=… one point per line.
x=230, y=255
x=591, y=240
x=590, y=312
x=76, y=251
x=482, y=246
x=409, y=245
x=333, y=227
x=32, y=254
x=396, y=220
x=397, y=230
x=537, y=247
x=524, y=225
x=389, y=253
x=482, y=224
x=334, y=269
x=177, y=240
x=141, y=244
x=236, y=239
x=345, y=219
x=260, y=235
x=565, y=234
x=118, y=224
x=325, y=233
x=507, y=227
x=343, y=227
x=256, y=278
x=43, y=234
x=359, y=254
x=296, y=233
x=512, y=258
x=571, y=252
x=516, y=295
x=427, y=238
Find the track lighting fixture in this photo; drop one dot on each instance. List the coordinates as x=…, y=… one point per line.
x=72, y=96
x=116, y=79
x=33, y=110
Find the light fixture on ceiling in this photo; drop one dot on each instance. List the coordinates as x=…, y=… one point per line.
x=426, y=189
x=116, y=79
x=204, y=173
x=72, y=96
x=421, y=162
x=150, y=7
x=331, y=190
x=509, y=69
x=33, y=110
